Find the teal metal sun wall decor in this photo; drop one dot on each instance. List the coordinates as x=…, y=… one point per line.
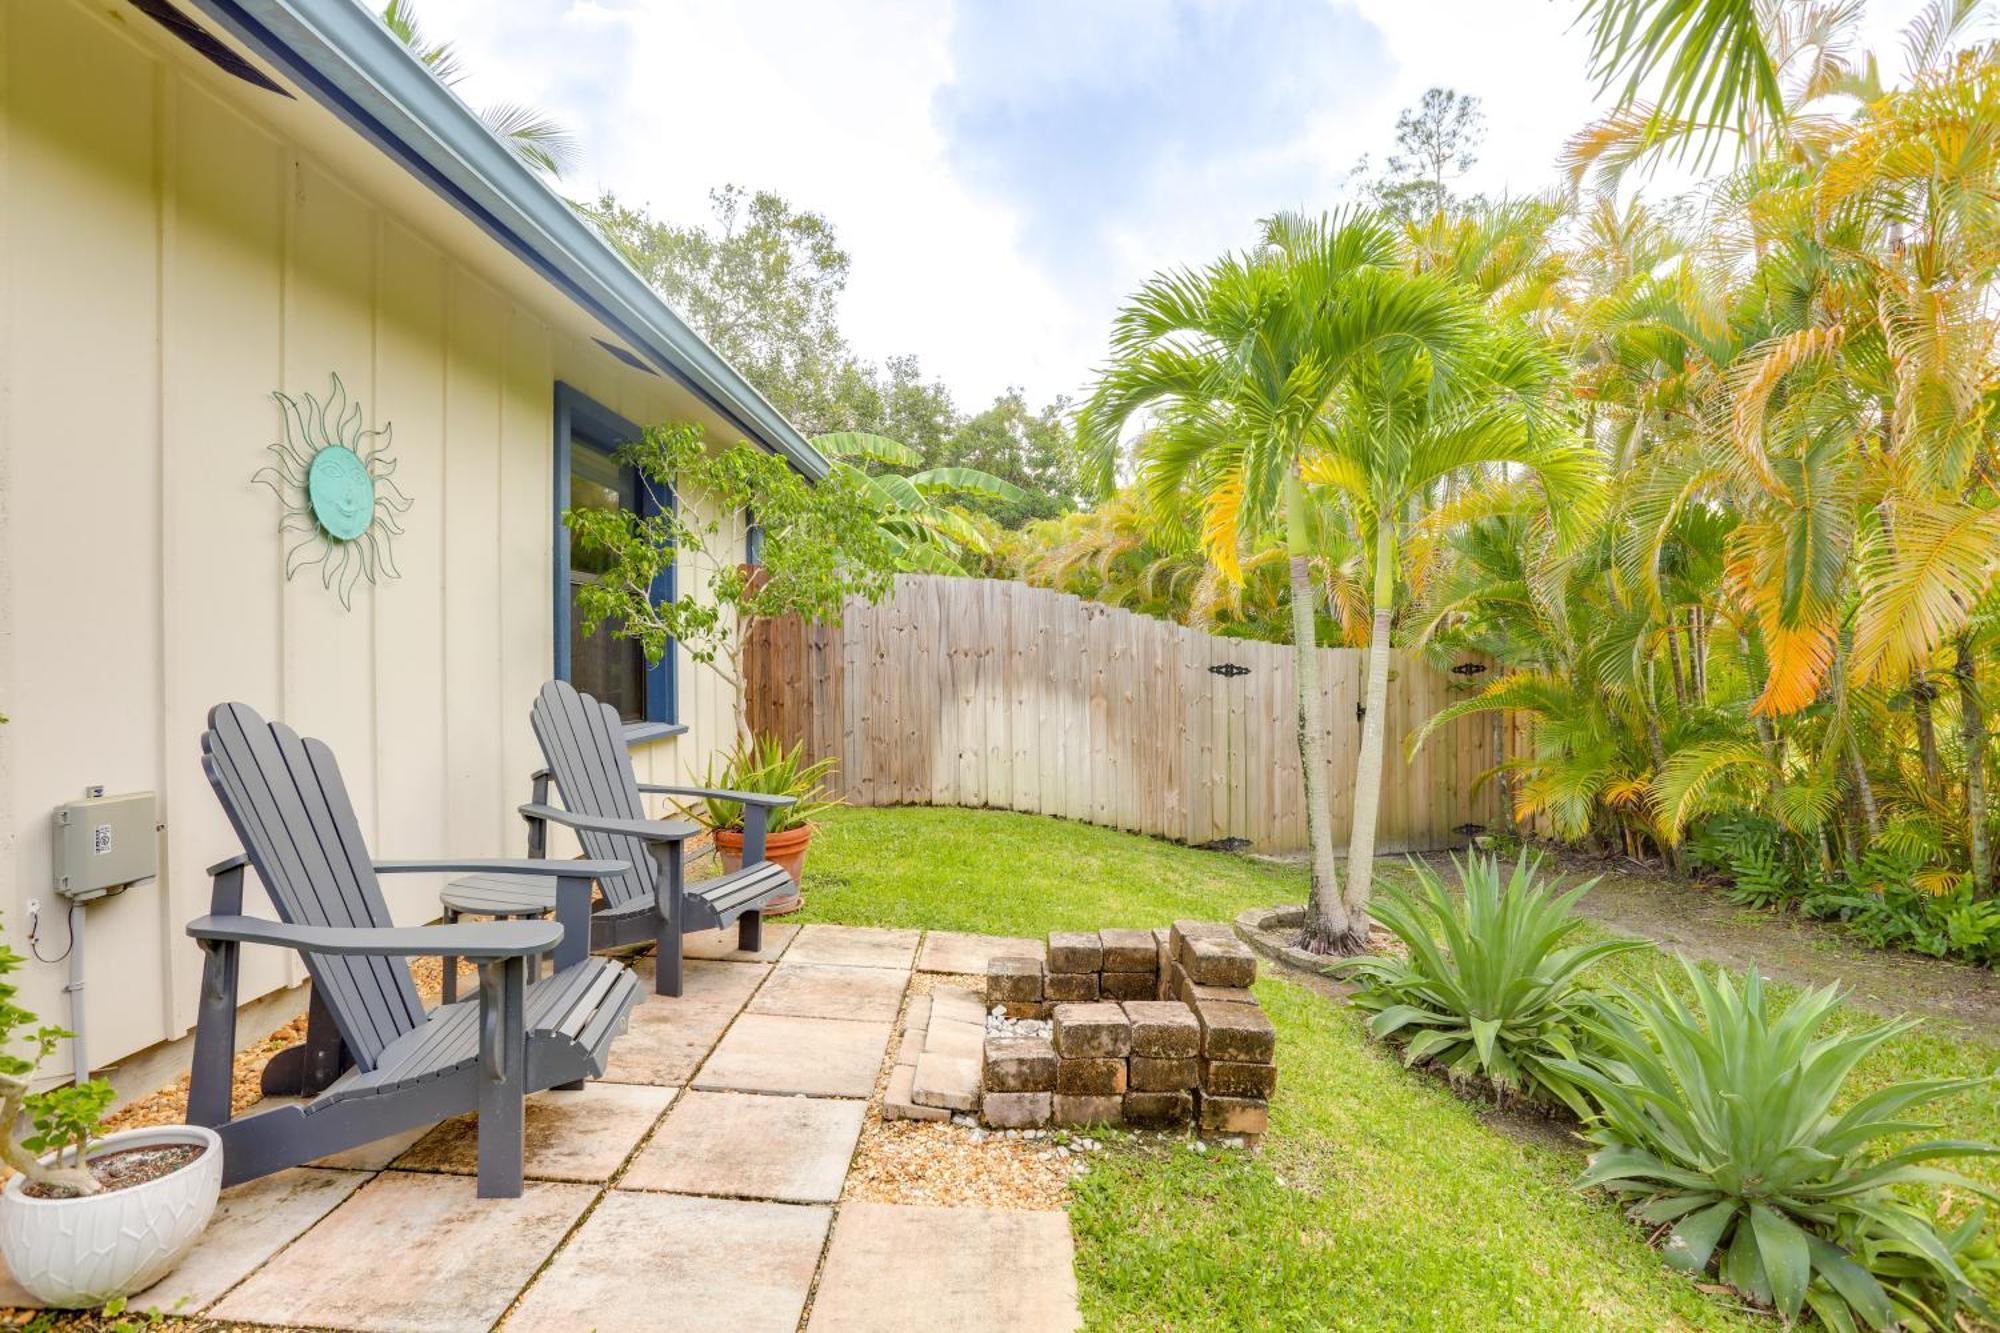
x=333, y=478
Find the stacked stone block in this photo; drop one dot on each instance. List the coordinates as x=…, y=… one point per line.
x=1149, y=1027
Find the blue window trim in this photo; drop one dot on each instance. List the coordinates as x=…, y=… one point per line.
x=578, y=416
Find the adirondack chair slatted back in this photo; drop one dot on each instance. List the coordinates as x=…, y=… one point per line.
x=288, y=805
x=584, y=743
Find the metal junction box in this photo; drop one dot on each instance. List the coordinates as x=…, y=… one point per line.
x=106, y=843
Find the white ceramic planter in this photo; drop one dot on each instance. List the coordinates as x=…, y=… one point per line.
x=76, y=1253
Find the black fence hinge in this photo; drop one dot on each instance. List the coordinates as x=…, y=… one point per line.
x=1229, y=669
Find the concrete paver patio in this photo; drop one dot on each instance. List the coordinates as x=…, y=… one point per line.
x=648, y=1207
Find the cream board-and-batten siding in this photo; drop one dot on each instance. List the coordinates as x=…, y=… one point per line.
x=174, y=245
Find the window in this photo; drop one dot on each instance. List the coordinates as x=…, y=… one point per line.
x=612, y=669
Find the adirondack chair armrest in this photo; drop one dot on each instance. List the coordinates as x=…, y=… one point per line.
x=646, y=830
x=236, y=862
x=501, y=865
x=764, y=799
x=476, y=940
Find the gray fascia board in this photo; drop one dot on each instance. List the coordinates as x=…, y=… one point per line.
x=343, y=56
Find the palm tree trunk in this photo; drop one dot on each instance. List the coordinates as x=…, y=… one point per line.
x=1656, y=746
x=1326, y=923
x=1368, y=769
x=1923, y=694
x=1972, y=731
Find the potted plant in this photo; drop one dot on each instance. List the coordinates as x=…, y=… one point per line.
x=767, y=768
x=86, y=1220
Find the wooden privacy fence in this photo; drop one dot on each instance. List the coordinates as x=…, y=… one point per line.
x=980, y=692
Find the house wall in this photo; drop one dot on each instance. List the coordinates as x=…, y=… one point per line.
x=167, y=260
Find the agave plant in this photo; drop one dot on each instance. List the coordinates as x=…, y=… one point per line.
x=1717, y=1121
x=1489, y=988
x=766, y=768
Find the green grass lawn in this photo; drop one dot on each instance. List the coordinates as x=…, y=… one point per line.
x=1380, y=1201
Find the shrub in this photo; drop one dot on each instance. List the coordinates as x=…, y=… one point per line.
x=1717, y=1123
x=1489, y=988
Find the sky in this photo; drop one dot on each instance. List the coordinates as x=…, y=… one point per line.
x=1003, y=172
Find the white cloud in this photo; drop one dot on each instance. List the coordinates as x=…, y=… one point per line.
x=858, y=109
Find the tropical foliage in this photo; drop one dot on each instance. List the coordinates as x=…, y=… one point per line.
x=921, y=513
x=1489, y=987
x=1723, y=1125
x=766, y=768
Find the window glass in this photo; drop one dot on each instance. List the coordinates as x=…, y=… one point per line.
x=610, y=668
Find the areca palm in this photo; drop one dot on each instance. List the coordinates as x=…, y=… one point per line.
x=1239, y=366
x=1401, y=426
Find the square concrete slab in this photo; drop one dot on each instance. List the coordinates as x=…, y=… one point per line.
x=813, y=1057
x=252, y=1222
x=720, y=945
x=584, y=1135
x=853, y=946
x=791, y=1149
x=823, y=990
x=411, y=1251
x=670, y=1261
x=667, y=1039
x=895, y=1267
x=959, y=954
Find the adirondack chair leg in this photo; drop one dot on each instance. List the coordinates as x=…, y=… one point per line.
x=212, y=1070
x=667, y=956
x=573, y=913
x=503, y=1086
x=750, y=932
x=450, y=963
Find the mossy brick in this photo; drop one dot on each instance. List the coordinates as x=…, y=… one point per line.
x=1074, y=951
x=1240, y=1033
x=1014, y=980
x=1128, y=985
x=1017, y=1110
x=1090, y=1078
x=1130, y=951
x=1020, y=1064
x=1070, y=988
x=1152, y=1075
x=1158, y=1109
x=1097, y=1031
x=1039, y=1010
x=1230, y=1078
x=1163, y=1029
x=1220, y=962
x=1234, y=1115
x=1075, y=1111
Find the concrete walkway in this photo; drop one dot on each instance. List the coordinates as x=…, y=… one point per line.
x=697, y=1186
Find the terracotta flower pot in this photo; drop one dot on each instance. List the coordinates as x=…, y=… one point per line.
x=788, y=849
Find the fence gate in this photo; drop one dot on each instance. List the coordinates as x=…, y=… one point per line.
x=981, y=692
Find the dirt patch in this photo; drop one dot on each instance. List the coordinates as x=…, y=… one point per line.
x=124, y=1168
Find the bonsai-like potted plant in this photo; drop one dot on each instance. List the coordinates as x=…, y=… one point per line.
x=86, y=1220
x=767, y=768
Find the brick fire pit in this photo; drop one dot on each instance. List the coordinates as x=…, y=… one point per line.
x=1149, y=1028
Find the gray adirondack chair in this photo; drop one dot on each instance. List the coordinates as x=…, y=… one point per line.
x=584, y=743
x=409, y=1066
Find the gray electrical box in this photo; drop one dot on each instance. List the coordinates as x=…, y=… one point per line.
x=105, y=843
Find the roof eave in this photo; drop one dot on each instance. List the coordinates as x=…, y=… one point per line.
x=344, y=58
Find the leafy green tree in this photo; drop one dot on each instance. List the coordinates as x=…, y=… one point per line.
x=1437, y=142
x=1032, y=451
x=921, y=512
x=822, y=544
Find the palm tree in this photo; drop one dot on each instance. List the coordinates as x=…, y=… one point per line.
x=1402, y=429
x=535, y=138
x=1239, y=365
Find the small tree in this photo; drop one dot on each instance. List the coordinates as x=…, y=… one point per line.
x=822, y=543
x=64, y=1119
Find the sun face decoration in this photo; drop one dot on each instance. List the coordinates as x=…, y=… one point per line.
x=333, y=478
